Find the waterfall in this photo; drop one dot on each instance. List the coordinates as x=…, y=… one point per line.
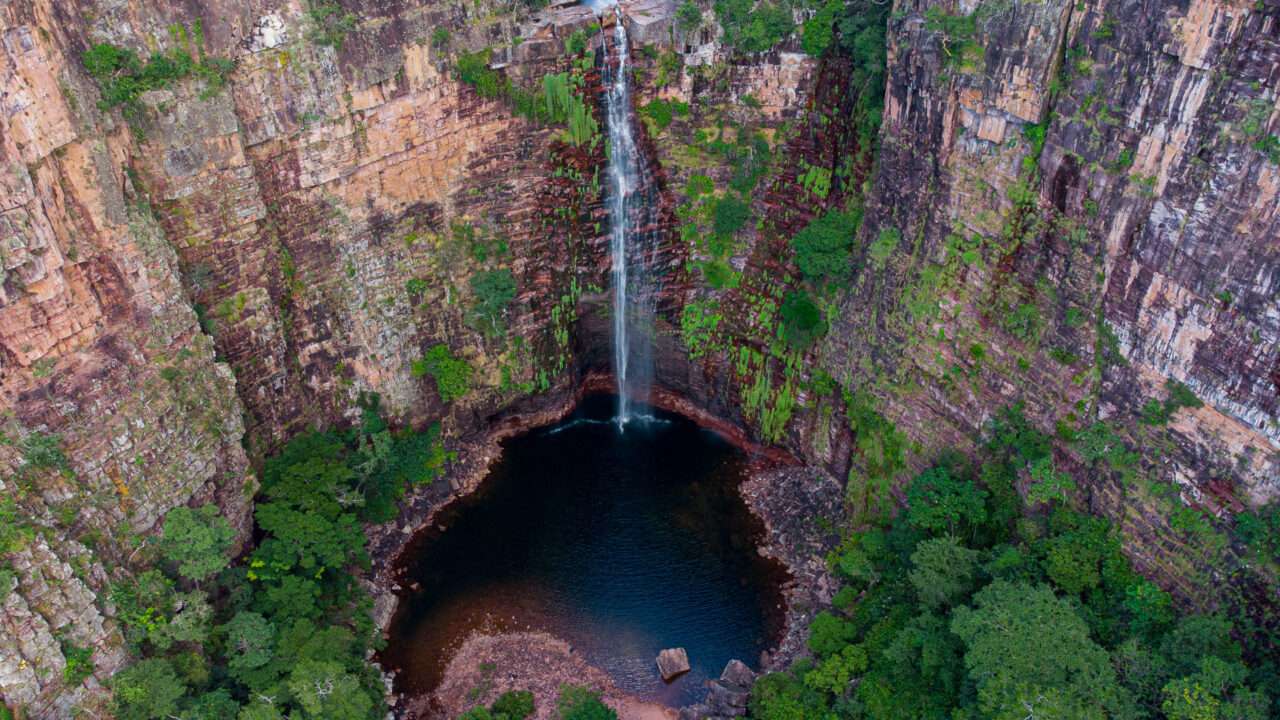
x=630, y=231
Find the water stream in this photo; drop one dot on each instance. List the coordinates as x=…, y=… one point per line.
x=631, y=233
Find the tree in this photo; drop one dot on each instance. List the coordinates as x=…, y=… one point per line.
x=730, y=215
x=943, y=571
x=147, y=690
x=1028, y=649
x=802, y=321
x=215, y=705
x=326, y=690
x=513, y=705
x=579, y=703
x=938, y=502
x=259, y=709
x=823, y=247
x=452, y=375
x=197, y=540
x=829, y=633
x=493, y=291
x=688, y=16
x=250, y=641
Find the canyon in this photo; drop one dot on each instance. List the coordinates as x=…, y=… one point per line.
x=1066, y=206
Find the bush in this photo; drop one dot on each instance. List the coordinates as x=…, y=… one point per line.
x=452, y=375
x=823, y=247
x=122, y=77
x=883, y=246
x=688, y=16
x=579, y=703
x=730, y=215
x=197, y=540
x=802, y=321
x=493, y=291
x=513, y=705
x=753, y=27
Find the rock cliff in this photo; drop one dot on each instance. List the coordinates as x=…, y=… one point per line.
x=1073, y=206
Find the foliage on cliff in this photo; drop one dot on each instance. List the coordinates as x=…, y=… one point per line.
x=559, y=102
x=969, y=604
x=286, y=632
x=123, y=77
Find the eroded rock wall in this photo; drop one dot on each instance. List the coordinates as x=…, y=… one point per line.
x=237, y=264
x=114, y=407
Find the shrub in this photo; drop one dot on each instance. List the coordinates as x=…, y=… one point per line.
x=1023, y=322
x=452, y=375
x=817, y=32
x=1155, y=412
x=940, y=503
x=197, y=541
x=883, y=246
x=579, y=703
x=688, y=16
x=823, y=247
x=122, y=77
x=753, y=27
x=330, y=23
x=662, y=112
x=699, y=184
x=802, y=321
x=493, y=291
x=576, y=43
x=513, y=705
x=79, y=663
x=730, y=215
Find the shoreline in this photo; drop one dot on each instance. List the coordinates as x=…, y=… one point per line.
x=775, y=489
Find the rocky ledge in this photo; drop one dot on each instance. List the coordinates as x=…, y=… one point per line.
x=488, y=665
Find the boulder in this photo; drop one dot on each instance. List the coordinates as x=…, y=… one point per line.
x=737, y=673
x=672, y=663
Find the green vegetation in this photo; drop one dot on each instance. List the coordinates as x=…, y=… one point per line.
x=688, y=16
x=802, y=322
x=823, y=248
x=452, y=374
x=560, y=101
x=577, y=703
x=1259, y=530
x=1155, y=412
x=970, y=605
x=284, y=634
x=122, y=76
x=492, y=292
x=510, y=705
x=883, y=246
x=957, y=34
x=196, y=541
x=79, y=663
x=330, y=23
x=662, y=112
x=754, y=25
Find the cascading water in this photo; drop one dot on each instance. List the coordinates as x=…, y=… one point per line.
x=631, y=228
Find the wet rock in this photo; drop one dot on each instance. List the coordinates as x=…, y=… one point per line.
x=672, y=663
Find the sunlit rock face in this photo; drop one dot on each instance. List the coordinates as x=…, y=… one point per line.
x=249, y=261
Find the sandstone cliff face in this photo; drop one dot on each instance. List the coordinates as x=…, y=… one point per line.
x=249, y=261
x=114, y=408
x=1072, y=207
x=1149, y=215
x=241, y=261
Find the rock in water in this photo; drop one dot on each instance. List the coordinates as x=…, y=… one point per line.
x=672, y=663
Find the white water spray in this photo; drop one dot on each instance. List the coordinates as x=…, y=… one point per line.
x=623, y=174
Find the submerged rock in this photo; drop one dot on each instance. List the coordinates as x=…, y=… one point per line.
x=672, y=663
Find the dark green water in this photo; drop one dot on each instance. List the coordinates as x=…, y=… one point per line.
x=620, y=543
